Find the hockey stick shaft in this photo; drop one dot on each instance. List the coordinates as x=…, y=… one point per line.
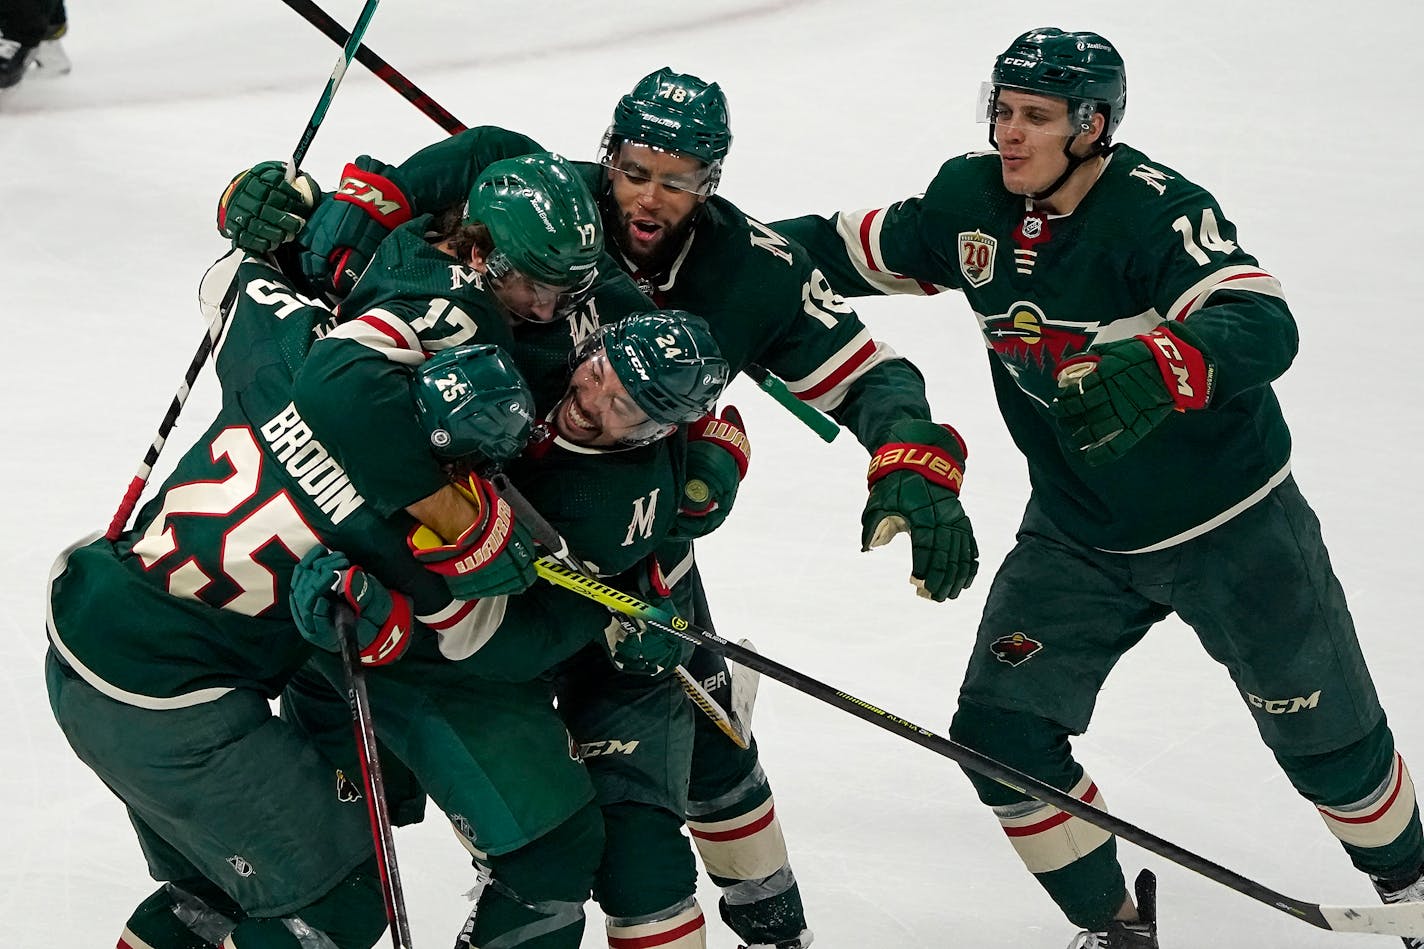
x=383, y=70
x=559, y=549
x=333, y=82
x=363, y=725
x=130, y=499
x=1401, y=919
x=817, y=421
x=136, y=485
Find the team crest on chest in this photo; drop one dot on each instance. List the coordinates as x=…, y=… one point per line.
x=976, y=257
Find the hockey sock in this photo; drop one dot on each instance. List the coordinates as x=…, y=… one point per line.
x=352, y=915
x=1366, y=798
x=1074, y=861
x=739, y=839
x=176, y=917
x=647, y=881
x=536, y=895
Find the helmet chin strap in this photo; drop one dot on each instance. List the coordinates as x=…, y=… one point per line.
x=1074, y=163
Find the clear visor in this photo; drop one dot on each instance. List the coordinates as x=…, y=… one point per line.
x=698, y=182
x=522, y=291
x=596, y=389
x=1030, y=111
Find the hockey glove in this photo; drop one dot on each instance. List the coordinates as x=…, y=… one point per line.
x=493, y=557
x=914, y=481
x=717, y=457
x=345, y=230
x=383, y=618
x=1116, y=395
x=634, y=646
x=260, y=210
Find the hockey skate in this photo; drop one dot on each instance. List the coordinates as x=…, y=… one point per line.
x=1119, y=935
x=15, y=60
x=803, y=941
x=1411, y=893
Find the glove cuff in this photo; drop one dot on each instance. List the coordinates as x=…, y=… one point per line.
x=374, y=193
x=481, y=542
x=393, y=637
x=1188, y=375
x=937, y=455
x=727, y=433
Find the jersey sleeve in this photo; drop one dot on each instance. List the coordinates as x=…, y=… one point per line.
x=822, y=350
x=1197, y=272
x=441, y=175
x=354, y=392
x=898, y=248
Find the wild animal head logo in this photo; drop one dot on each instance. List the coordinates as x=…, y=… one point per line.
x=1015, y=649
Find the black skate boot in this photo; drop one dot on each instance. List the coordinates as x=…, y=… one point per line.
x=1119, y=935
x=1394, y=891
x=15, y=58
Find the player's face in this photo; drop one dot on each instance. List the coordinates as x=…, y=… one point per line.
x=597, y=411
x=1031, y=131
x=656, y=193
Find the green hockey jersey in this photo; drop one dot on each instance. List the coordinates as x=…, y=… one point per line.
x=193, y=601
x=1145, y=246
x=764, y=299
x=411, y=301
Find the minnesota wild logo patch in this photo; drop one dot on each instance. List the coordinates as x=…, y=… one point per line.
x=976, y=257
x=1015, y=649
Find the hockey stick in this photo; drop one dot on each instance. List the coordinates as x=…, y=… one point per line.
x=559, y=550
x=1398, y=919
x=383, y=70
x=365, y=730
x=818, y=422
x=130, y=500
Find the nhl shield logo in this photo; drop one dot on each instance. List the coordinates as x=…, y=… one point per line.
x=976, y=257
x=1015, y=649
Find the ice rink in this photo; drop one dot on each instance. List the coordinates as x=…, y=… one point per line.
x=1301, y=117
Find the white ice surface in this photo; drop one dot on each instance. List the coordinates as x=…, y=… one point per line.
x=1302, y=117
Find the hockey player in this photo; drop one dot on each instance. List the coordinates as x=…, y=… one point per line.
x=1133, y=343
x=766, y=303
x=523, y=218
x=167, y=644
x=457, y=710
x=29, y=36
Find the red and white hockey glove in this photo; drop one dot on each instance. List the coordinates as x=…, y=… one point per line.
x=717, y=457
x=345, y=230
x=494, y=556
x=914, y=481
x=383, y=617
x=1116, y=395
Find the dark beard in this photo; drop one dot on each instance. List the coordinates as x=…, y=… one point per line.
x=660, y=260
